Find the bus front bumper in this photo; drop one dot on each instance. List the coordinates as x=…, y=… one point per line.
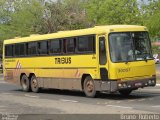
x=116, y=85
x=135, y=84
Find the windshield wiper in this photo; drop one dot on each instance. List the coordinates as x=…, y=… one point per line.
x=127, y=60
x=145, y=58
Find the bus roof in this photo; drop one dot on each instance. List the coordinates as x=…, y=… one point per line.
x=70, y=33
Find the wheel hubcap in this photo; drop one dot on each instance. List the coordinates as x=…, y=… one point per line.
x=24, y=84
x=89, y=86
x=34, y=83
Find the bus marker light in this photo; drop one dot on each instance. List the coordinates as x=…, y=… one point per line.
x=149, y=81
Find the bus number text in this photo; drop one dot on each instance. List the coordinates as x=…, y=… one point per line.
x=63, y=60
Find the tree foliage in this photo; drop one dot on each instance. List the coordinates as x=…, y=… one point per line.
x=151, y=17
x=25, y=17
x=113, y=12
x=19, y=18
x=64, y=15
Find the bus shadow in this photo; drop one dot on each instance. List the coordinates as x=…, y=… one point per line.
x=62, y=92
x=117, y=96
x=108, y=96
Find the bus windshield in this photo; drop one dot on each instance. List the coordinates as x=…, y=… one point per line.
x=130, y=46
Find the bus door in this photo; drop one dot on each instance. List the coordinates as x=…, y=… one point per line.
x=103, y=64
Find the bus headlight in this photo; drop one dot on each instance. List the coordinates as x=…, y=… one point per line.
x=124, y=85
x=119, y=85
x=149, y=82
x=153, y=81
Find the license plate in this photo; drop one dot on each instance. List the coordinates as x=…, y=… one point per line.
x=138, y=84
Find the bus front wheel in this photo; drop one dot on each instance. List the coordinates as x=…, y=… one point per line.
x=89, y=87
x=25, y=83
x=34, y=84
x=125, y=92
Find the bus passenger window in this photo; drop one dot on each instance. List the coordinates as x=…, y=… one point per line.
x=71, y=44
x=22, y=48
x=16, y=50
x=86, y=44
x=19, y=49
x=42, y=47
x=32, y=48
x=9, y=50
x=55, y=46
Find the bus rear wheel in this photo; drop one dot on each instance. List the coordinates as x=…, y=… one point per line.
x=25, y=83
x=34, y=84
x=89, y=87
x=125, y=92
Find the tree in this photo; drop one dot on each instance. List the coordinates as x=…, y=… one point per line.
x=25, y=17
x=151, y=17
x=20, y=18
x=64, y=15
x=113, y=12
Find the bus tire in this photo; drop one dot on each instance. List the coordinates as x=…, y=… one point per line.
x=89, y=87
x=34, y=84
x=25, y=83
x=125, y=92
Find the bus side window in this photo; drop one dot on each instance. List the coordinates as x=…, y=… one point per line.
x=71, y=45
x=43, y=48
x=16, y=50
x=102, y=51
x=9, y=50
x=32, y=48
x=86, y=44
x=64, y=46
x=55, y=46
x=22, y=48
x=19, y=49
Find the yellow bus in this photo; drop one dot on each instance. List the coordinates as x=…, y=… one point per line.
x=103, y=58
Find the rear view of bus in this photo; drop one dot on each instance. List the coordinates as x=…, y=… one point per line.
x=131, y=63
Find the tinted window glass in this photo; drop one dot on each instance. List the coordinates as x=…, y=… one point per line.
x=19, y=49
x=42, y=47
x=55, y=46
x=142, y=45
x=71, y=43
x=130, y=46
x=102, y=51
x=32, y=48
x=86, y=44
x=22, y=49
x=16, y=50
x=9, y=50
